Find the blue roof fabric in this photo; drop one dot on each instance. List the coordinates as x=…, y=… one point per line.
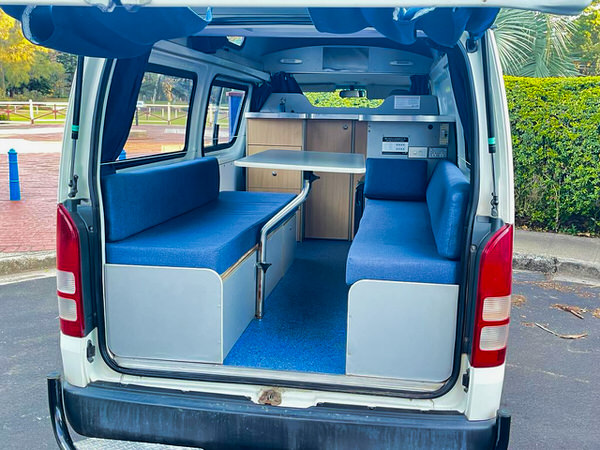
x=123, y=32
x=444, y=26
x=90, y=31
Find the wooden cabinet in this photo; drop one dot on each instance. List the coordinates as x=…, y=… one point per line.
x=328, y=207
x=273, y=180
x=265, y=134
x=283, y=134
x=280, y=132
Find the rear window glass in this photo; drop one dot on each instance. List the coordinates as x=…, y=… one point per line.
x=161, y=116
x=333, y=100
x=223, y=116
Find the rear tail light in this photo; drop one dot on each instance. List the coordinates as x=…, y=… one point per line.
x=68, y=275
x=493, y=300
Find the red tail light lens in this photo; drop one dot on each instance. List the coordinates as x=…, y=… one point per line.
x=68, y=275
x=493, y=300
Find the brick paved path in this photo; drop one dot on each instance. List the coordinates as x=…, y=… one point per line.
x=30, y=224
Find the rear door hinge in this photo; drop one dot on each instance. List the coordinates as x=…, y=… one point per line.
x=466, y=378
x=90, y=351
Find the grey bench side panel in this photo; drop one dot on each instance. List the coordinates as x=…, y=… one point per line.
x=401, y=330
x=163, y=312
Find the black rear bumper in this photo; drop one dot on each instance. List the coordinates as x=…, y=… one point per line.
x=222, y=422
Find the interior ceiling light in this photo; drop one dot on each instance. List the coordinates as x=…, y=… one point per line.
x=401, y=63
x=290, y=61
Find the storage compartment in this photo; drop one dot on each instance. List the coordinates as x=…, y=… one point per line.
x=188, y=314
x=401, y=330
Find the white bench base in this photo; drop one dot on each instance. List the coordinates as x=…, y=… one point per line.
x=401, y=330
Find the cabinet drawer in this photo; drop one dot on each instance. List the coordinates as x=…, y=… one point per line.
x=254, y=148
x=274, y=179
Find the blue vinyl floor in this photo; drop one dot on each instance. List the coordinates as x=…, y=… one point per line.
x=304, y=322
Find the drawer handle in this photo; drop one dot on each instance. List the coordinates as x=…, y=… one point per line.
x=274, y=173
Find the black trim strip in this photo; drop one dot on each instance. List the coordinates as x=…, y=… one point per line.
x=58, y=417
x=214, y=421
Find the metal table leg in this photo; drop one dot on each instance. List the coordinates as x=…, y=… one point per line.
x=262, y=264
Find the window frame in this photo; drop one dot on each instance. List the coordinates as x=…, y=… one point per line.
x=147, y=159
x=223, y=83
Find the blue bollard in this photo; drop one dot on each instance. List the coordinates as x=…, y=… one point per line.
x=122, y=155
x=235, y=102
x=13, y=175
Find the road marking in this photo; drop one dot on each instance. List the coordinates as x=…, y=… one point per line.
x=26, y=276
x=546, y=372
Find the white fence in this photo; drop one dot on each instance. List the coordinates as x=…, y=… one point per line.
x=32, y=112
x=41, y=112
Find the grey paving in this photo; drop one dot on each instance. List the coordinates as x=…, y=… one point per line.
x=551, y=384
x=555, y=245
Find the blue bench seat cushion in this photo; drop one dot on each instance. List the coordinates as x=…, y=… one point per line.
x=137, y=200
x=447, y=200
x=214, y=236
x=395, y=242
x=396, y=179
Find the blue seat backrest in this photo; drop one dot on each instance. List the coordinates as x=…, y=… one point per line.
x=447, y=200
x=137, y=200
x=396, y=179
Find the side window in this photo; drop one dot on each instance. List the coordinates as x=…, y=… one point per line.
x=225, y=103
x=160, y=123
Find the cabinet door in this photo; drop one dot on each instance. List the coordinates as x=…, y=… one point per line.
x=329, y=203
x=276, y=132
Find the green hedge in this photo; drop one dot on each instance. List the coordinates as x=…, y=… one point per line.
x=556, y=138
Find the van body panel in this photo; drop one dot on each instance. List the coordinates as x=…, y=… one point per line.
x=84, y=370
x=389, y=408
x=485, y=391
x=504, y=155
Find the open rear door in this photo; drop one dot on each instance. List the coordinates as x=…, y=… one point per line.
x=549, y=6
x=129, y=28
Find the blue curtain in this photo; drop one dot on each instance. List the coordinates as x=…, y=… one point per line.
x=89, y=31
x=419, y=85
x=444, y=26
x=121, y=104
x=280, y=83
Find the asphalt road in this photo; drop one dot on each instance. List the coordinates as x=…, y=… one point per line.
x=551, y=386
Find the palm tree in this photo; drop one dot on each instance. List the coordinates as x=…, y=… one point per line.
x=533, y=44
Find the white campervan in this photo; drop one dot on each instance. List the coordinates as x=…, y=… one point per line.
x=283, y=227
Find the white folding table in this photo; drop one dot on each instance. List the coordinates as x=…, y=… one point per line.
x=307, y=162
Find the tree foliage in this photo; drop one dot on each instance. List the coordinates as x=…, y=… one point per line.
x=587, y=40
x=26, y=68
x=532, y=44
x=16, y=54
x=556, y=139
x=333, y=100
